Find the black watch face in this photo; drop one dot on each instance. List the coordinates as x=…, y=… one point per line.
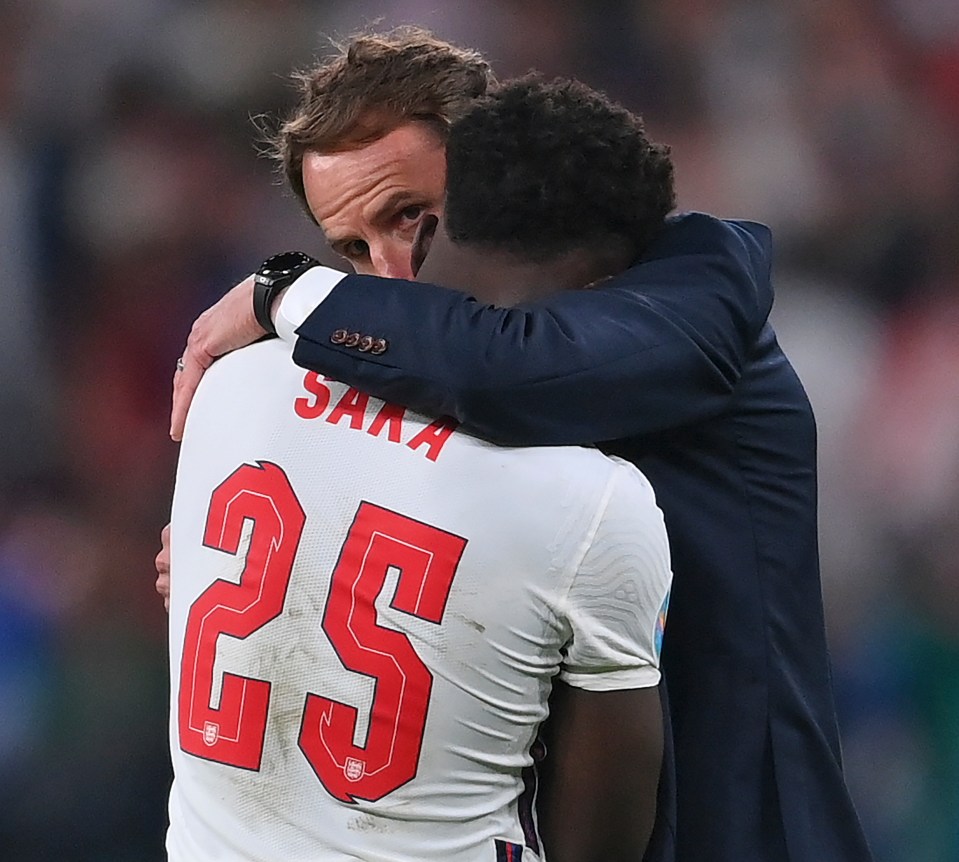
x=283, y=264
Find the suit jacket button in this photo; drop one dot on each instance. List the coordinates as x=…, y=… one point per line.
x=352, y=339
x=380, y=345
x=366, y=344
x=339, y=336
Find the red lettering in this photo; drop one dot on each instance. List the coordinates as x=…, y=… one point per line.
x=391, y=418
x=434, y=436
x=306, y=409
x=232, y=731
x=388, y=757
x=352, y=404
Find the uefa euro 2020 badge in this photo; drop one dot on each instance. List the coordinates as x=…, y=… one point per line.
x=661, y=624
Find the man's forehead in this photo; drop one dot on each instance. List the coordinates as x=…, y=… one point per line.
x=406, y=152
x=410, y=140
x=402, y=168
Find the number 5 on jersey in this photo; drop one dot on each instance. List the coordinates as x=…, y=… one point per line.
x=378, y=540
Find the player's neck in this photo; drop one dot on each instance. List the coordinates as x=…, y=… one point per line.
x=505, y=280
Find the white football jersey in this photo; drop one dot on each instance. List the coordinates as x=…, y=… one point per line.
x=368, y=608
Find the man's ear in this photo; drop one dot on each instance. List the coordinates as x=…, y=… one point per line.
x=422, y=241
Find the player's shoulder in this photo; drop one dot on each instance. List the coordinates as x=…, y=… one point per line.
x=628, y=533
x=619, y=479
x=628, y=481
x=591, y=466
x=582, y=473
x=630, y=496
x=249, y=375
x=250, y=366
x=272, y=353
x=578, y=463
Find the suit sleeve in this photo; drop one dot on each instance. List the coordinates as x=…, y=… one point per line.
x=658, y=347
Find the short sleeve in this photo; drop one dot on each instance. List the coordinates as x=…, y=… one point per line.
x=618, y=596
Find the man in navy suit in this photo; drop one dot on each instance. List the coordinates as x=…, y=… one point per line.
x=671, y=364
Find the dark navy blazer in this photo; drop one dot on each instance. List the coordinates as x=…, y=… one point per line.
x=674, y=366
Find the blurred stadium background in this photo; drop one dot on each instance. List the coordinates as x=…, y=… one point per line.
x=131, y=196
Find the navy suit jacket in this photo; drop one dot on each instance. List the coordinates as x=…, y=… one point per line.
x=674, y=366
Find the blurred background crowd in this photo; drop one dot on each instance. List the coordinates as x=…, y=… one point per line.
x=132, y=196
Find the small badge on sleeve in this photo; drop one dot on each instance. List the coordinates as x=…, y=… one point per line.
x=508, y=852
x=661, y=624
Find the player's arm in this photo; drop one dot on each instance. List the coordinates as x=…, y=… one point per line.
x=656, y=348
x=605, y=735
x=601, y=773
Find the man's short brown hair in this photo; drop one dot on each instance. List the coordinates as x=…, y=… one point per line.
x=374, y=83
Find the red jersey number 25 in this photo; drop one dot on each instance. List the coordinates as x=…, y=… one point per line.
x=378, y=539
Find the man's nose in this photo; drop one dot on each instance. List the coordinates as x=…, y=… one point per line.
x=393, y=260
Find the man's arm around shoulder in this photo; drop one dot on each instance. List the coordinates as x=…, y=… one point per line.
x=657, y=347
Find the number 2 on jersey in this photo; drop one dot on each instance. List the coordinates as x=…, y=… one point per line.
x=378, y=540
x=233, y=732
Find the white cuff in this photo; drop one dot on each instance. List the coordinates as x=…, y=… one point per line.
x=644, y=676
x=302, y=297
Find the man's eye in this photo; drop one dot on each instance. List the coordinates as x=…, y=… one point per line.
x=412, y=213
x=355, y=249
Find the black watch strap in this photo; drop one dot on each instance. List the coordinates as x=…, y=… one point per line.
x=274, y=274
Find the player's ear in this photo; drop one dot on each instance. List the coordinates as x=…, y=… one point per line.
x=422, y=240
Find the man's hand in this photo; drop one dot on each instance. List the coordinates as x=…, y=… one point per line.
x=162, y=564
x=228, y=325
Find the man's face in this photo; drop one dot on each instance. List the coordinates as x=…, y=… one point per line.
x=369, y=201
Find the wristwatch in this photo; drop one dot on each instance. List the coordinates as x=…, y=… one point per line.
x=274, y=274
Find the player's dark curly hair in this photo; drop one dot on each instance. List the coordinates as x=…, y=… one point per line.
x=538, y=168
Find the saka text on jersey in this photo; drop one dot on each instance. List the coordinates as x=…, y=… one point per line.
x=378, y=419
